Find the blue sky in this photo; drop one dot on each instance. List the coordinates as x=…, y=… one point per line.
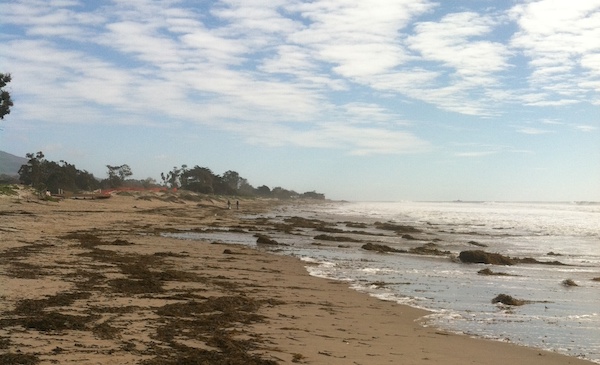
x=360, y=100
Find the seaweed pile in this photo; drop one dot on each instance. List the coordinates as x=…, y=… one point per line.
x=218, y=322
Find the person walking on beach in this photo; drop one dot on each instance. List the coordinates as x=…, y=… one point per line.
x=237, y=205
x=228, y=204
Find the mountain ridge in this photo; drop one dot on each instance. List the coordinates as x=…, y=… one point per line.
x=10, y=164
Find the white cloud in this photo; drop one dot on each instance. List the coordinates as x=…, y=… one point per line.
x=259, y=67
x=359, y=39
x=350, y=138
x=534, y=131
x=368, y=141
x=586, y=128
x=365, y=113
x=475, y=153
x=561, y=40
x=468, y=65
x=473, y=150
x=257, y=21
x=142, y=40
x=455, y=42
x=551, y=122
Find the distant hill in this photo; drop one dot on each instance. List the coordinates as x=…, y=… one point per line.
x=10, y=164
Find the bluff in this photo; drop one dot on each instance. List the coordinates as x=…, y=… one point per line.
x=10, y=164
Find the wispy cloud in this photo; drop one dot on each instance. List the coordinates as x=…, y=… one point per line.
x=359, y=39
x=534, y=131
x=586, y=128
x=562, y=41
x=455, y=41
x=315, y=74
x=475, y=150
x=475, y=153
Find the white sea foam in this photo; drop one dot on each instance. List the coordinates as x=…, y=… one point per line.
x=309, y=259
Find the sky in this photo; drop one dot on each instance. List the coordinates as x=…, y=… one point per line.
x=360, y=100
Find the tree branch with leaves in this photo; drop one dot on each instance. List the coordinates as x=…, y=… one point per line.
x=5, y=100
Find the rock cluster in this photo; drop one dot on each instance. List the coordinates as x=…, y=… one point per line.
x=482, y=257
x=379, y=248
x=508, y=300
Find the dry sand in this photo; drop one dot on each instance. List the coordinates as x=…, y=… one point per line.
x=94, y=282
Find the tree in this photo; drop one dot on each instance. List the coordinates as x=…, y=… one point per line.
x=232, y=180
x=172, y=178
x=44, y=175
x=263, y=190
x=118, y=174
x=5, y=100
x=313, y=195
x=198, y=179
x=86, y=181
x=149, y=182
x=245, y=188
x=32, y=172
x=281, y=193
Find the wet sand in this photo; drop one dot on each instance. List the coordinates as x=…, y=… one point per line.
x=94, y=282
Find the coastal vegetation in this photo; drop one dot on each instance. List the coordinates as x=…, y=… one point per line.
x=8, y=189
x=44, y=175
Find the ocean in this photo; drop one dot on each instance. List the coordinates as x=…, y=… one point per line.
x=556, y=317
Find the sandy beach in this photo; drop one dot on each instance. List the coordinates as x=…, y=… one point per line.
x=95, y=282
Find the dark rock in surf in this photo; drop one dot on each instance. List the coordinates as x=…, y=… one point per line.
x=429, y=249
x=530, y=260
x=475, y=243
x=306, y=222
x=508, y=300
x=482, y=257
x=330, y=230
x=569, y=283
x=265, y=240
x=396, y=228
x=325, y=237
x=489, y=272
x=355, y=225
x=379, y=248
x=379, y=284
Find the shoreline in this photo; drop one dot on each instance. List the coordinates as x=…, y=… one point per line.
x=94, y=282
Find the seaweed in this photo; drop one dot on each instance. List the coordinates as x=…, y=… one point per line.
x=213, y=321
x=105, y=331
x=18, y=359
x=54, y=321
x=217, y=321
x=64, y=299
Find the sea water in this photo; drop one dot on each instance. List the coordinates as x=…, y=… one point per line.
x=559, y=318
